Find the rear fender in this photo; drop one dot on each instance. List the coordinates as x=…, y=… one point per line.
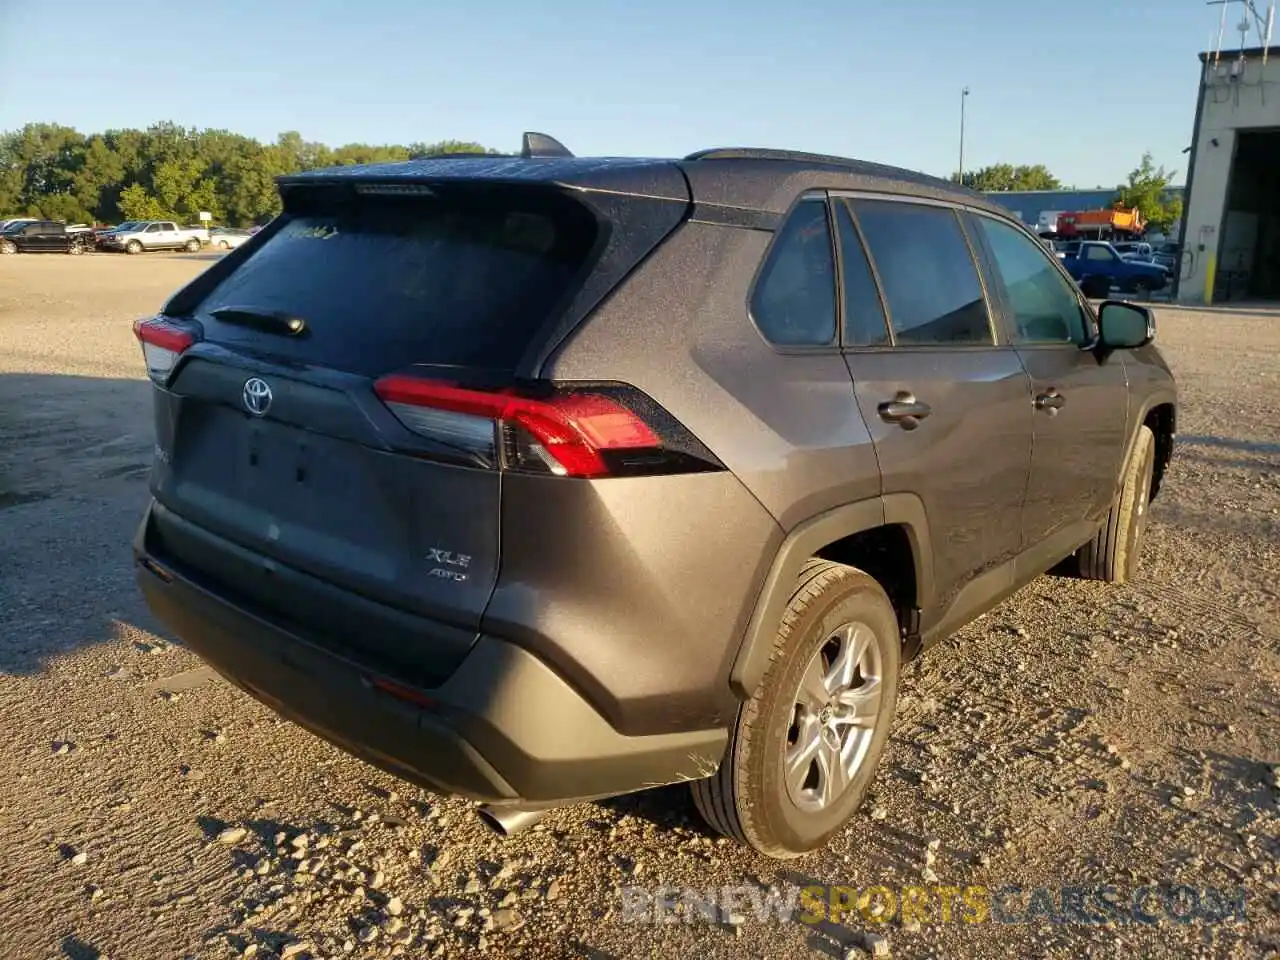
x=805, y=541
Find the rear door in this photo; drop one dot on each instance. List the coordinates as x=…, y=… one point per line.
x=44, y=236
x=276, y=440
x=1080, y=402
x=948, y=405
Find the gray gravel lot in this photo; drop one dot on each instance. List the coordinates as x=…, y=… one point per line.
x=1076, y=736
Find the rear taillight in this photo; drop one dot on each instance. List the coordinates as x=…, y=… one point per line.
x=163, y=343
x=566, y=432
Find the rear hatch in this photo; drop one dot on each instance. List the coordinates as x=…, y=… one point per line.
x=288, y=479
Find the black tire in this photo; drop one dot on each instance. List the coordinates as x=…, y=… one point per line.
x=192, y=245
x=8, y=248
x=1112, y=555
x=75, y=249
x=133, y=247
x=223, y=245
x=747, y=799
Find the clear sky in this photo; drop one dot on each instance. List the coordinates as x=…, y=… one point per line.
x=1083, y=86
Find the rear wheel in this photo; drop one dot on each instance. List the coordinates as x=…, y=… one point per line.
x=1112, y=555
x=133, y=246
x=75, y=249
x=192, y=245
x=805, y=746
x=224, y=245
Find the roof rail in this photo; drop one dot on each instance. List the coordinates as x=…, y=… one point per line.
x=764, y=153
x=542, y=145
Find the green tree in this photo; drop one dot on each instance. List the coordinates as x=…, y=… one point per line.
x=168, y=171
x=1148, y=190
x=445, y=147
x=1006, y=176
x=137, y=204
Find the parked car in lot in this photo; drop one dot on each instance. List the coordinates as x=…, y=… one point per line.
x=1168, y=254
x=227, y=238
x=153, y=235
x=1098, y=267
x=42, y=236
x=1134, y=250
x=536, y=480
x=101, y=234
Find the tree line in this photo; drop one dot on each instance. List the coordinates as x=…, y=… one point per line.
x=168, y=172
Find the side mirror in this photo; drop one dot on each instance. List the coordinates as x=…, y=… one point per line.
x=1125, y=326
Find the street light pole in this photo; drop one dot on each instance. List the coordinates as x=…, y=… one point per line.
x=964, y=95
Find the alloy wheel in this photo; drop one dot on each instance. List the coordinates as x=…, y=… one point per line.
x=834, y=717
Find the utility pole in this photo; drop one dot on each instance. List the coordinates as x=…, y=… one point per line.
x=964, y=95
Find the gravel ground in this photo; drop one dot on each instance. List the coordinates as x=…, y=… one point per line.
x=1076, y=736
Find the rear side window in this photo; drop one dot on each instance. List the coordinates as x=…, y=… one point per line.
x=794, y=303
x=384, y=282
x=930, y=283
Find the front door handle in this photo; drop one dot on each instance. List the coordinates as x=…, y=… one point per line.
x=1052, y=401
x=904, y=410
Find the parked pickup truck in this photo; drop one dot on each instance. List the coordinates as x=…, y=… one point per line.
x=1098, y=266
x=154, y=235
x=41, y=236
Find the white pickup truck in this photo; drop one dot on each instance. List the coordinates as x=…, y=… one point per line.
x=155, y=235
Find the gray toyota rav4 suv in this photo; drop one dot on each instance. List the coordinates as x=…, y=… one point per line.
x=539, y=478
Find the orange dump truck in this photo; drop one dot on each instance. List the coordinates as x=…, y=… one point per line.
x=1101, y=222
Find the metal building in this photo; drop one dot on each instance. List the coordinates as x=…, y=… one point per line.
x=1231, y=225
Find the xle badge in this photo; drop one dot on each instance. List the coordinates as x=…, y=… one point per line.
x=452, y=566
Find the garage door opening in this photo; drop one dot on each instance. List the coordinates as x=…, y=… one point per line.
x=1249, y=255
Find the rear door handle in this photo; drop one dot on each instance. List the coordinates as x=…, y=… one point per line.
x=904, y=410
x=1051, y=401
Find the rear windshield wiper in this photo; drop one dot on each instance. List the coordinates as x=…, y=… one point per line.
x=268, y=321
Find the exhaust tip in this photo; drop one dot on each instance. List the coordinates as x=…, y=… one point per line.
x=508, y=820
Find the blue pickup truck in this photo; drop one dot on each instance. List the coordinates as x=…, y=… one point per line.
x=1094, y=263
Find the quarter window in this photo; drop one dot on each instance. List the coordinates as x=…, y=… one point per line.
x=864, y=322
x=1044, y=306
x=794, y=303
x=930, y=283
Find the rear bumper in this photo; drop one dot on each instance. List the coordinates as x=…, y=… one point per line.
x=502, y=727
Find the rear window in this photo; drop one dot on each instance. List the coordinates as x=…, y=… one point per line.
x=384, y=282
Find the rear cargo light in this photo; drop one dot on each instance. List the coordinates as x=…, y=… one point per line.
x=162, y=344
x=574, y=433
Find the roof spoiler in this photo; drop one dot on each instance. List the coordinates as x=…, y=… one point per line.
x=541, y=145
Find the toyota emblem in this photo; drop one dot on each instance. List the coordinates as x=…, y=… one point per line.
x=256, y=396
